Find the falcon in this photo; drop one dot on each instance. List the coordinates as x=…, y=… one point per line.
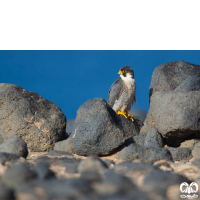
x=122, y=92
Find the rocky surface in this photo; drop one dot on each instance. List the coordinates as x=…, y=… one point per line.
x=39, y=178
x=137, y=162
x=178, y=76
x=174, y=102
x=36, y=120
x=99, y=130
x=181, y=153
x=15, y=145
x=145, y=154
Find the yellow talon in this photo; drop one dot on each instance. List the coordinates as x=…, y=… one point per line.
x=130, y=116
x=122, y=113
x=126, y=114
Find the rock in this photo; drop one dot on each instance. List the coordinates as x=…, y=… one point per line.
x=134, y=151
x=92, y=163
x=115, y=184
x=15, y=145
x=130, y=168
x=58, y=153
x=18, y=174
x=139, y=139
x=37, y=121
x=5, y=192
x=153, y=139
x=175, y=115
x=93, y=176
x=130, y=128
x=42, y=170
x=4, y=157
x=99, y=130
x=70, y=126
x=178, y=76
x=180, y=153
x=150, y=139
x=65, y=145
x=68, y=189
x=152, y=181
x=189, y=143
x=72, y=167
x=196, y=151
x=174, y=101
x=145, y=128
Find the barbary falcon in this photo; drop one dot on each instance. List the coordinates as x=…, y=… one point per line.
x=122, y=92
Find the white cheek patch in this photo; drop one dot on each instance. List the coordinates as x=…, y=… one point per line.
x=128, y=80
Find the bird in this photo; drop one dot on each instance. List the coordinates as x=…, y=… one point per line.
x=122, y=92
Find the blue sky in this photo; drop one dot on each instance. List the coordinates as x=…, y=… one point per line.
x=70, y=78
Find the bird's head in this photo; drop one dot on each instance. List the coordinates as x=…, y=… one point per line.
x=126, y=71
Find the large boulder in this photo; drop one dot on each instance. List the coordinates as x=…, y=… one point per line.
x=178, y=76
x=99, y=130
x=39, y=122
x=175, y=115
x=174, y=102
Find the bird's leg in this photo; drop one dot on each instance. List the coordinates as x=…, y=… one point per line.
x=130, y=116
x=122, y=113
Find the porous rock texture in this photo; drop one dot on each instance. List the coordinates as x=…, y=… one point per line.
x=174, y=102
x=150, y=151
x=36, y=120
x=99, y=130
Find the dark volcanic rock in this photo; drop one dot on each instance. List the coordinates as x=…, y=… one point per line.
x=4, y=157
x=178, y=75
x=180, y=153
x=92, y=163
x=91, y=175
x=152, y=181
x=15, y=145
x=150, y=139
x=65, y=145
x=18, y=174
x=5, y=192
x=134, y=151
x=99, y=130
x=139, y=139
x=39, y=122
x=115, y=184
x=175, y=115
x=153, y=139
x=174, y=102
x=72, y=167
x=42, y=170
x=68, y=189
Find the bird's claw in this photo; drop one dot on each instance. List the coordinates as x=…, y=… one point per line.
x=126, y=115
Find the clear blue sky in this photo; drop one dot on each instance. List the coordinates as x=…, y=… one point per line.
x=70, y=78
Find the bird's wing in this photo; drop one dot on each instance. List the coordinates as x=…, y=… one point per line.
x=115, y=92
x=134, y=98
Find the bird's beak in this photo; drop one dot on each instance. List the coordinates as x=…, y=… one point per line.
x=120, y=72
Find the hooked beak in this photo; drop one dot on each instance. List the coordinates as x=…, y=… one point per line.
x=120, y=72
